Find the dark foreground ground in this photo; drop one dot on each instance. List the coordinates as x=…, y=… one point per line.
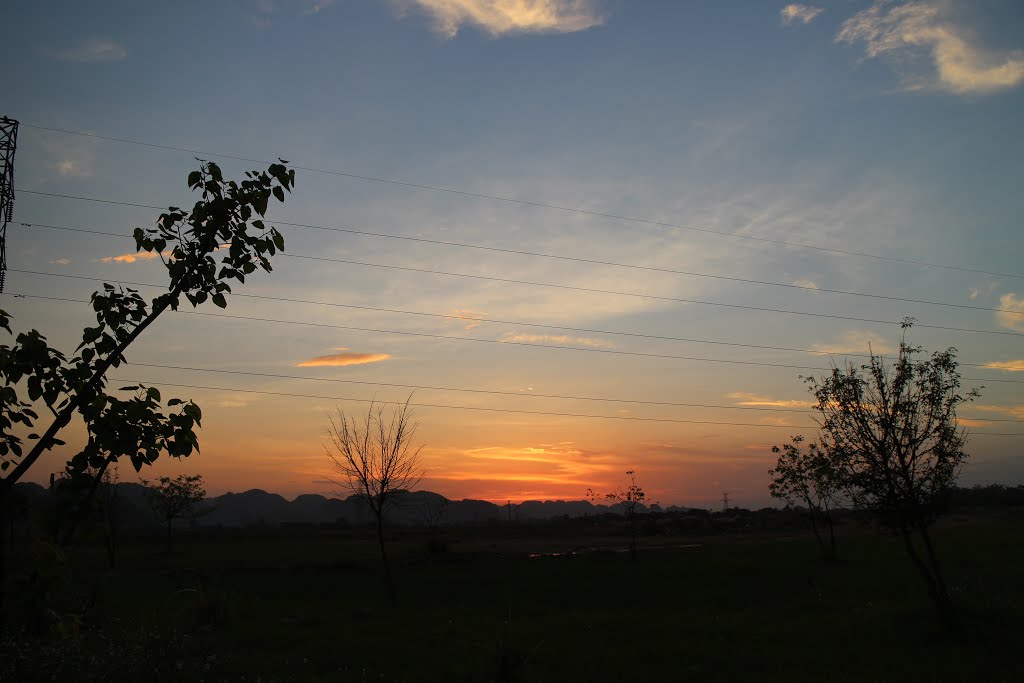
x=307, y=605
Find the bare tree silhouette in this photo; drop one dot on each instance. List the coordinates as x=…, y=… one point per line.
x=631, y=500
x=376, y=459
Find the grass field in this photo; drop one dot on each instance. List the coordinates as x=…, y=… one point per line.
x=309, y=605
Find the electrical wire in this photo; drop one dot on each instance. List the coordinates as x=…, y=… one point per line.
x=544, y=205
x=450, y=337
x=821, y=290
x=626, y=418
x=765, y=309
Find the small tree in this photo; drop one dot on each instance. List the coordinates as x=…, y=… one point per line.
x=895, y=426
x=811, y=478
x=631, y=500
x=174, y=498
x=108, y=512
x=222, y=238
x=376, y=459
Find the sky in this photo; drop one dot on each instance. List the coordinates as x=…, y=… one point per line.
x=590, y=219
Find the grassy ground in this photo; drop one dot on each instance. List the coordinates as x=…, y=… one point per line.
x=309, y=605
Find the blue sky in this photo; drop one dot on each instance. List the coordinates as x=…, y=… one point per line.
x=885, y=128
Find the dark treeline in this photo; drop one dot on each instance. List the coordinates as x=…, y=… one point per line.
x=36, y=512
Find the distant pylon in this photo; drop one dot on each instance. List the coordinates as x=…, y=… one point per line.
x=725, y=501
x=8, y=145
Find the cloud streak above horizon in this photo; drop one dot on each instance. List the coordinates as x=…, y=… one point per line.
x=343, y=358
x=504, y=17
x=95, y=50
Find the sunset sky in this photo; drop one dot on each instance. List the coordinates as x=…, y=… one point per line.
x=645, y=196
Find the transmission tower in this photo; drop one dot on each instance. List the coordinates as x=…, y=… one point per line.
x=8, y=145
x=725, y=501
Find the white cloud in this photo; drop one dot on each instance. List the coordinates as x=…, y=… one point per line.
x=70, y=168
x=1016, y=411
x=855, y=341
x=131, y=258
x=95, y=50
x=343, y=358
x=501, y=17
x=1011, y=320
x=809, y=284
x=471, y=318
x=1010, y=365
x=983, y=292
x=61, y=262
x=910, y=32
x=793, y=13
x=233, y=404
x=317, y=5
x=743, y=398
x=560, y=339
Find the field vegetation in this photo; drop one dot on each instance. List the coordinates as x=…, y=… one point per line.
x=738, y=596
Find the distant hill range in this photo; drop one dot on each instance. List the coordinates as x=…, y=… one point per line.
x=260, y=508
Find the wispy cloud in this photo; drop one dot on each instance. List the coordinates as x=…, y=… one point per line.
x=68, y=157
x=983, y=292
x=806, y=283
x=342, y=358
x=316, y=6
x=742, y=398
x=855, y=341
x=61, y=261
x=913, y=33
x=1011, y=320
x=1011, y=365
x=94, y=50
x=524, y=469
x=233, y=404
x=131, y=258
x=502, y=17
x=968, y=422
x=71, y=168
x=471, y=318
x=796, y=13
x=1016, y=411
x=561, y=339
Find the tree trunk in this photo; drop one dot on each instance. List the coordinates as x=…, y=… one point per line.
x=4, y=541
x=943, y=602
x=833, y=555
x=389, y=582
x=938, y=595
x=110, y=513
x=812, y=516
x=633, y=549
x=169, y=519
x=82, y=504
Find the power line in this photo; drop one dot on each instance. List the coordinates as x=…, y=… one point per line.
x=445, y=337
x=591, y=290
x=542, y=326
x=474, y=391
x=521, y=323
x=497, y=393
x=594, y=290
x=626, y=418
x=561, y=257
x=522, y=202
